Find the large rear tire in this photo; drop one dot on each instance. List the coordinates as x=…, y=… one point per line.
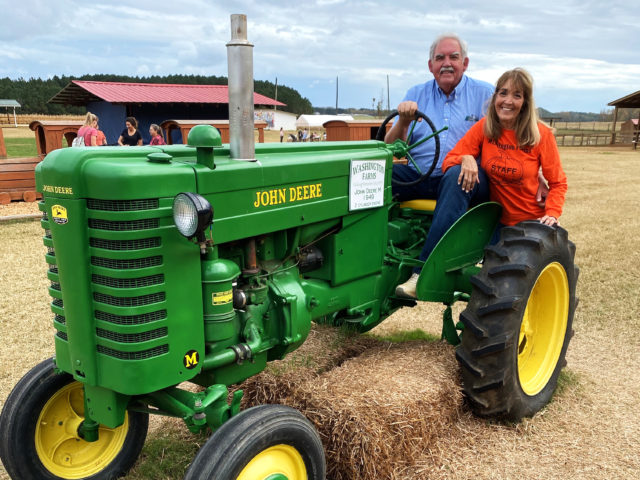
x=264, y=442
x=39, y=432
x=518, y=322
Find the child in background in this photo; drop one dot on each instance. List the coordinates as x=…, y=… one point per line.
x=101, y=138
x=156, y=135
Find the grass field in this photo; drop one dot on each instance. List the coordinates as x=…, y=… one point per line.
x=21, y=147
x=590, y=430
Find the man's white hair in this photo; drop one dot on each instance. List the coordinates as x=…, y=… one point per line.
x=453, y=36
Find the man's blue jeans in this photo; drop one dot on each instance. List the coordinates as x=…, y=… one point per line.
x=451, y=203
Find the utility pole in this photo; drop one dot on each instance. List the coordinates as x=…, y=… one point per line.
x=336, y=94
x=388, y=105
x=275, y=106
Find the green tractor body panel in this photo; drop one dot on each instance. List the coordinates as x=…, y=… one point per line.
x=306, y=232
x=448, y=268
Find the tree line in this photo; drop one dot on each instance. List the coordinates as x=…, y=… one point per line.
x=33, y=94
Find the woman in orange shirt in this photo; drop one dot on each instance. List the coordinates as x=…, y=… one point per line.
x=512, y=146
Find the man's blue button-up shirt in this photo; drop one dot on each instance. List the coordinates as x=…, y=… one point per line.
x=466, y=104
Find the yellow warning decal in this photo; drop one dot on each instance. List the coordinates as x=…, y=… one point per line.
x=221, y=298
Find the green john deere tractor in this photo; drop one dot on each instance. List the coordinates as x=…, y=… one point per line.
x=202, y=262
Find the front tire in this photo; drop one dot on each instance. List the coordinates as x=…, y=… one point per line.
x=260, y=443
x=39, y=432
x=518, y=322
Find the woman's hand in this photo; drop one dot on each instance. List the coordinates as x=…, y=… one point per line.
x=549, y=220
x=468, y=177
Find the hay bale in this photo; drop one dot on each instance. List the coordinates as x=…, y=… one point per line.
x=324, y=349
x=378, y=411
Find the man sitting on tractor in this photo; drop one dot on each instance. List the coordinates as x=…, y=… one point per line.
x=451, y=99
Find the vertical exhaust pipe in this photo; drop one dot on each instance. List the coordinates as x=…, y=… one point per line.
x=240, y=67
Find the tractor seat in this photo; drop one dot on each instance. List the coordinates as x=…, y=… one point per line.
x=422, y=204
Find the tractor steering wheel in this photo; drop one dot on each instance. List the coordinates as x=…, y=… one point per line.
x=401, y=148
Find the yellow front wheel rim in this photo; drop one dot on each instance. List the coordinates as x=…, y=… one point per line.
x=543, y=329
x=277, y=462
x=61, y=450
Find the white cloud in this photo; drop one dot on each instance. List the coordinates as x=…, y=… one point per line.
x=306, y=45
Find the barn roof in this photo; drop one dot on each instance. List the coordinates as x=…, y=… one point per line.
x=81, y=92
x=630, y=101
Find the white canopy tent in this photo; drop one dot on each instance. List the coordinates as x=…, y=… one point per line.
x=316, y=121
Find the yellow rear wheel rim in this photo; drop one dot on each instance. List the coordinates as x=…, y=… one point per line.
x=277, y=462
x=61, y=450
x=543, y=328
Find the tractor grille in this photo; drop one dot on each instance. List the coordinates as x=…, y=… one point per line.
x=129, y=301
x=131, y=319
x=123, y=225
x=128, y=282
x=125, y=245
x=126, y=264
x=132, y=337
x=140, y=355
x=122, y=205
x=56, y=303
x=133, y=268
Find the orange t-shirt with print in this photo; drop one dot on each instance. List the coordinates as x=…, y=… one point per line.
x=513, y=171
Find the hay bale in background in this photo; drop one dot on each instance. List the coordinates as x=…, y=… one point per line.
x=378, y=411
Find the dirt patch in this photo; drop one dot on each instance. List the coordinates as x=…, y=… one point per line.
x=19, y=208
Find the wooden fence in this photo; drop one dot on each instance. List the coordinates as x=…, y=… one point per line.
x=587, y=126
x=583, y=140
x=28, y=118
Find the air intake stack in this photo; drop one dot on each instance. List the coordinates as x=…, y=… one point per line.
x=240, y=66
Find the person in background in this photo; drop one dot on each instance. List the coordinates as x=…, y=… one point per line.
x=130, y=136
x=450, y=99
x=281, y=134
x=89, y=130
x=513, y=146
x=101, y=138
x=155, y=132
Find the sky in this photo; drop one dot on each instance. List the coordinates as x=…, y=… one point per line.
x=581, y=54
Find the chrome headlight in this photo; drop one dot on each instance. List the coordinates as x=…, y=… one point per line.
x=192, y=214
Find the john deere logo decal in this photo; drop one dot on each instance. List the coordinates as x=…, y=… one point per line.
x=59, y=214
x=191, y=359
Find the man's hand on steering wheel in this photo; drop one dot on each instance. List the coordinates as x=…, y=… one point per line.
x=400, y=146
x=407, y=114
